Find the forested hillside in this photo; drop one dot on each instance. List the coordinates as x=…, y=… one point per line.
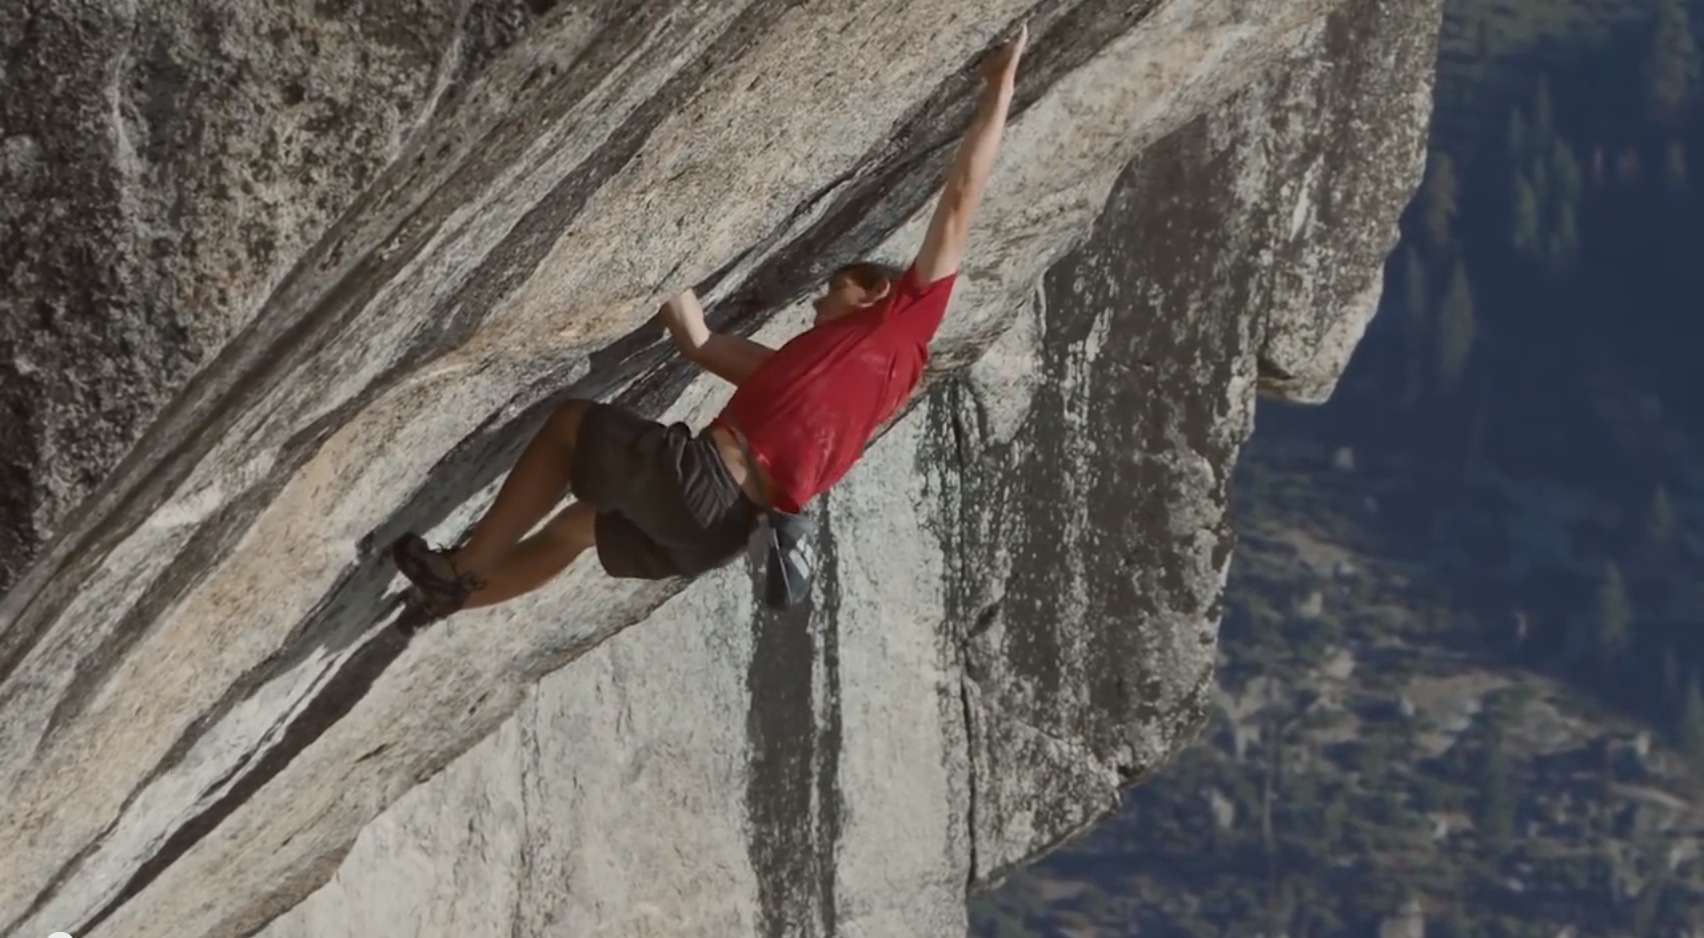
x=1462, y=689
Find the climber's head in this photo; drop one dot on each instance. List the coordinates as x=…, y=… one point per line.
x=854, y=287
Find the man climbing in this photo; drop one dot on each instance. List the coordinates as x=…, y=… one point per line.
x=658, y=501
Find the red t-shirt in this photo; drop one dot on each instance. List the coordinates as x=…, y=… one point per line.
x=809, y=409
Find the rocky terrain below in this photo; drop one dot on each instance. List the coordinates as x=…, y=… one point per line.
x=1378, y=762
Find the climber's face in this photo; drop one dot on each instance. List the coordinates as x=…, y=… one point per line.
x=849, y=290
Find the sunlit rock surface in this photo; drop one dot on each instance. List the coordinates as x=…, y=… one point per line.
x=287, y=282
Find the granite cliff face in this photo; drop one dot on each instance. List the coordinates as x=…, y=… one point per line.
x=289, y=283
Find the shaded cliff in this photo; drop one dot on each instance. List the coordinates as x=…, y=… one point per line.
x=297, y=310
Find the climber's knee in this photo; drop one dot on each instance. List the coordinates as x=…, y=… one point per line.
x=573, y=529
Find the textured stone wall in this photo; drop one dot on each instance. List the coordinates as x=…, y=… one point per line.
x=165, y=165
x=206, y=723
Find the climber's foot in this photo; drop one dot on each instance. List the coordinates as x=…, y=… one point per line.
x=439, y=589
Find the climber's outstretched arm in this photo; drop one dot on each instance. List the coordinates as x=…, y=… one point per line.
x=943, y=245
x=726, y=356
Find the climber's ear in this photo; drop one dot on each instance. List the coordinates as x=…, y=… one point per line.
x=876, y=292
x=869, y=282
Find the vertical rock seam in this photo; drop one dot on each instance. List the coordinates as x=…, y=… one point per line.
x=531, y=769
x=969, y=771
x=828, y=795
x=947, y=458
x=792, y=852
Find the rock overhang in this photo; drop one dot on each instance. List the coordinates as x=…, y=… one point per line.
x=207, y=640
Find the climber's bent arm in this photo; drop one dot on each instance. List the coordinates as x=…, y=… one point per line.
x=943, y=245
x=728, y=357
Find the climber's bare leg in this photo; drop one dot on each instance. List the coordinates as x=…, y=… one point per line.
x=537, y=560
x=538, y=481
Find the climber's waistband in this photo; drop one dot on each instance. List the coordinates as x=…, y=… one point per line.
x=747, y=467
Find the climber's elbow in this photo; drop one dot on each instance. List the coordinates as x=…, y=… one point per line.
x=729, y=357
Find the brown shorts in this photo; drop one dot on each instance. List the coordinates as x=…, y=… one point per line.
x=667, y=504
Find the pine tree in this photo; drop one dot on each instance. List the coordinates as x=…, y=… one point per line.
x=1692, y=724
x=1564, y=239
x=1496, y=820
x=1518, y=137
x=1628, y=167
x=1457, y=329
x=1418, y=311
x=1671, y=64
x=1674, y=168
x=1441, y=195
x=1538, y=174
x=1095, y=904
x=1659, y=521
x=1611, y=616
x=1650, y=900
x=1543, y=123
x=1524, y=220
x=1568, y=233
x=1565, y=169
x=1414, y=282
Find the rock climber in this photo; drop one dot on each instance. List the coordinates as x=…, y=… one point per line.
x=657, y=500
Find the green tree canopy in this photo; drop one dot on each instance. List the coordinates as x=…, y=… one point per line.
x=1524, y=220
x=1457, y=328
x=1564, y=240
x=1659, y=520
x=1496, y=814
x=1612, y=615
x=1518, y=137
x=1671, y=65
x=1415, y=303
x=1565, y=170
x=1692, y=724
x=1416, y=321
x=1543, y=113
x=1441, y=198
